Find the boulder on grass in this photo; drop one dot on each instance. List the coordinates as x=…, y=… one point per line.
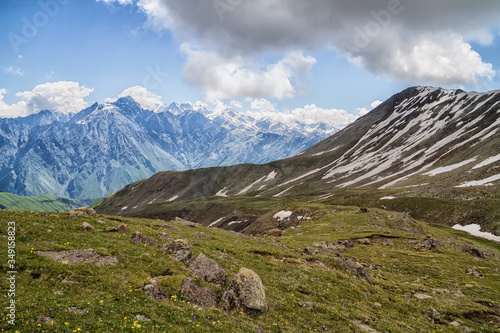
x=122, y=228
x=85, y=226
x=86, y=211
x=200, y=296
x=245, y=292
x=429, y=244
x=154, y=290
x=138, y=238
x=275, y=232
x=207, y=269
x=178, y=249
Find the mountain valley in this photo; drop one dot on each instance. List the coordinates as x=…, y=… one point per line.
x=434, y=152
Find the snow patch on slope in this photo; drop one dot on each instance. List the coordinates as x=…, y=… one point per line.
x=173, y=198
x=283, y=214
x=484, y=182
x=449, y=167
x=222, y=193
x=475, y=229
x=487, y=161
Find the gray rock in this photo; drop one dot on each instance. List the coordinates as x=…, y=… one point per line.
x=421, y=296
x=429, y=244
x=441, y=291
x=140, y=317
x=434, y=315
x=245, y=292
x=377, y=305
x=154, y=290
x=180, y=221
x=85, y=226
x=101, y=222
x=207, y=269
x=86, y=211
x=364, y=241
x=223, y=256
x=163, y=235
x=138, y=238
x=169, y=228
x=352, y=267
x=238, y=234
x=122, y=228
x=78, y=311
x=201, y=235
x=309, y=304
x=338, y=245
x=363, y=327
x=44, y=319
x=309, y=250
x=205, y=297
x=476, y=252
x=178, y=249
x=87, y=256
x=388, y=242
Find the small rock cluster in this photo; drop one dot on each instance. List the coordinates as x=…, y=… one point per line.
x=429, y=244
x=79, y=256
x=82, y=211
x=338, y=245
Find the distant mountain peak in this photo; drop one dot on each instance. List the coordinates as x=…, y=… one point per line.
x=106, y=146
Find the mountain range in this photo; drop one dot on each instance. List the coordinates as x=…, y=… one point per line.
x=420, y=139
x=106, y=146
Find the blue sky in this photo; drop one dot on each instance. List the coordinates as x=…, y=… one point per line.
x=256, y=56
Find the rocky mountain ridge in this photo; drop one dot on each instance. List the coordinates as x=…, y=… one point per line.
x=106, y=146
x=420, y=137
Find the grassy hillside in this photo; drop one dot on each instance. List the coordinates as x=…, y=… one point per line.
x=42, y=203
x=88, y=298
x=447, y=206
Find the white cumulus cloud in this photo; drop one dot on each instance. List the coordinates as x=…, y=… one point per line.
x=62, y=96
x=309, y=114
x=236, y=104
x=147, y=99
x=262, y=104
x=237, y=77
x=362, y=111
x=375, y=104
x=425, y=41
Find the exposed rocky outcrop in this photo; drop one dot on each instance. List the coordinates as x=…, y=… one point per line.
x=338, y=245
x=179, y=249
x=201, y=235
x=138, y=238
x=200, y=296
x=429, y=244
x=87, y=256
x=183, y=222
x=352, y=267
